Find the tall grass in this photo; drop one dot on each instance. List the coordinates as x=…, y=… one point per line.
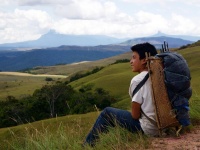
x=33, y=139
x=71, y=137
x=69, y=132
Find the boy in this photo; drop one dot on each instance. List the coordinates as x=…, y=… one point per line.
x=142, y=101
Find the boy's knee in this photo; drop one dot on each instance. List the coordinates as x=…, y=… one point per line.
x=107, y=110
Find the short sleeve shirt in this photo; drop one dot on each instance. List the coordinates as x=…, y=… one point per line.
x=144, y=98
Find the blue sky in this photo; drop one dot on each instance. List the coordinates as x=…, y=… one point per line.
x=22, y=20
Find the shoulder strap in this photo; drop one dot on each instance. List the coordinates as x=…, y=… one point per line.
x=140, y=84
x=151, y=120
x=136, y=90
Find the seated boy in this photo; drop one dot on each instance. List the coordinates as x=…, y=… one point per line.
x=133, y=121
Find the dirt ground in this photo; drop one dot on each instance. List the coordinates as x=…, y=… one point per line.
x=189, y=140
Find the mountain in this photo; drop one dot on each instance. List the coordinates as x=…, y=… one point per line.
x=53, y=39
x=20, y=60
x=158, y=41
x=184, y=37
x=71, y=49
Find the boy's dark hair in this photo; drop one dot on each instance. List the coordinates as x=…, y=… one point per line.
x=142, y=48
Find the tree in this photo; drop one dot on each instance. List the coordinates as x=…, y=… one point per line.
x=56, y=96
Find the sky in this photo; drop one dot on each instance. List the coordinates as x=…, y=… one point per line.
x=23, y=20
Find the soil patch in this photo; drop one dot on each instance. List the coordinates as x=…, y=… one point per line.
x=187, y=141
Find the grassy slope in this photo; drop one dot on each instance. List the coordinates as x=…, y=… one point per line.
x=116, y=78
x=24, y=85
x=67, y=133
x=18, y=86
x=76, y=125
x=70, y=69
x=192, y=56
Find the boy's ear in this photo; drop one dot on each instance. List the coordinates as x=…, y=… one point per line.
x=144, y=61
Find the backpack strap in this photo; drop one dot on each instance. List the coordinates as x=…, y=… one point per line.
x=140, y=84
x=137, y=89
x=151, y=120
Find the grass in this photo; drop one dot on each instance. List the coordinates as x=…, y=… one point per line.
x=21, y=137
x=68, y=132
x=114, y=78
x=19, y=86
x=70, y=69
x=192, y=56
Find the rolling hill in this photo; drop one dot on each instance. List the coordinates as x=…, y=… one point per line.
x=114, y=75
x=115, y=78
x=120, y=74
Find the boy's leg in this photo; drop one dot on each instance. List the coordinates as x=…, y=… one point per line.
x=109, y=117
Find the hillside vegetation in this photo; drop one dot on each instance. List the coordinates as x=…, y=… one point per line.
x=113, y=78
x=21, y=85
x=70, y=69
x=191, y=45
x=116, y=78
x=18, y=86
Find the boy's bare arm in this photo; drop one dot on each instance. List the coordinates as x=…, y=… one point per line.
x=135, y=110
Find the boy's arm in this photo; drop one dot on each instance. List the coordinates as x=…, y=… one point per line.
x=135, y=110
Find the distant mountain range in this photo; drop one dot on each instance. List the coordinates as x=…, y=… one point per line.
x=184, y=37
x=158, y=41
x=53, y=39
x=66, y=49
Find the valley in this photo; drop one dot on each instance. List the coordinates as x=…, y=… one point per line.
x=109, y=78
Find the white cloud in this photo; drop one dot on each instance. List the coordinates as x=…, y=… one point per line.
x=32, y=18
x=122, y=25
x=149, y=23
x=139, y=1
x=87, y=9
x=34, y=2
x=192, y=2
x=181, y=25
x=23, y=25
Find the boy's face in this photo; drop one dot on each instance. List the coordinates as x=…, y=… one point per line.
x=137, y=64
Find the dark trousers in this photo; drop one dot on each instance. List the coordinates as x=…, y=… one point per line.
x=110, y=117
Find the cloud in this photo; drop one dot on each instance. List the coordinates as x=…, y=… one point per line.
x=181, y=25
x=23, y=24
x=122, y=25
x=35, y=2
x=32, y=18
x=139, y=1
x=87, y=9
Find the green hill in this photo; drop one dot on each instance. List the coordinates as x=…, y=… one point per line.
x=70, y=69
x=191, y=45
x=116, y=78
x=18, y=86
x=113, y=78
